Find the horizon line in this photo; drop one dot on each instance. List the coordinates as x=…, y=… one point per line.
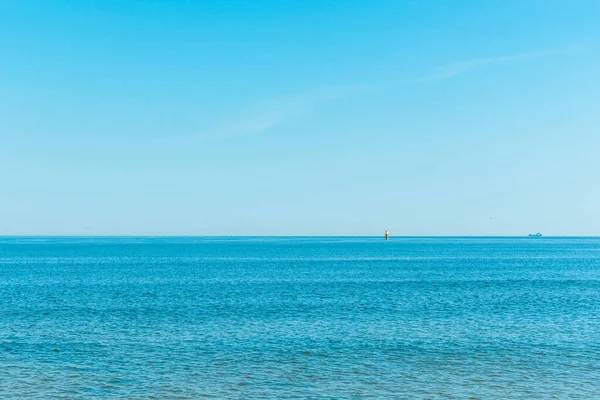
x=293, y=236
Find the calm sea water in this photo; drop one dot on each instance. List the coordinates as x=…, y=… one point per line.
x=300, y=318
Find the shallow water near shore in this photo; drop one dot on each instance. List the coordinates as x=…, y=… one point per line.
x=299, y=317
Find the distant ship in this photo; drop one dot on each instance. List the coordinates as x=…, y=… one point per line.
x=535, y=234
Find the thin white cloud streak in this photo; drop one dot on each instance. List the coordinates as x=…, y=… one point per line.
x=269, y=114
x=461, y=67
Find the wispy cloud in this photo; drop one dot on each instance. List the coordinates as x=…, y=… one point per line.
x=461, y=67
x=271, y=113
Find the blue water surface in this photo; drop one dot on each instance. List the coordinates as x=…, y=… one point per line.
x=300, y=318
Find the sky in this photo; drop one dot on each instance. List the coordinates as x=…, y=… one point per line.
x=334, y=117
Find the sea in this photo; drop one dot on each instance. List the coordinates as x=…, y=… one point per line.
x=299, y=318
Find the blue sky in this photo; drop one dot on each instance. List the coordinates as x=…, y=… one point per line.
x=300, y=118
